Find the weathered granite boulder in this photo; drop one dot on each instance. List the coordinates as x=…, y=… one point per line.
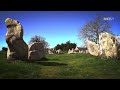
x=93, y=48
x=108, y=45
x=71, y=51
x=17, y=48
x=76, y=50
x=59, y=51
x=36, y=51
x=50, y=52
x=86, y=51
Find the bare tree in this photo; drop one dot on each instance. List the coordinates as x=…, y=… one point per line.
x=39, y=39
x=92, y=29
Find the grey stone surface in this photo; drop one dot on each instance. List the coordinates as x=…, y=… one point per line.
x=36, y=51
x=17, y=48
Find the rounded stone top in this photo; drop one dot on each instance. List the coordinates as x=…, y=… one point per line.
x=10, y=21
x=76, y=48
x=35, y=46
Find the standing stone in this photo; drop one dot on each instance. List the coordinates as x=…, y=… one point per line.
x=36, y=51
x=93, y=48
x=76, y=50
x=17, y=48
x=108, y=45
x=59, y=51
x=86, y=51
x=69, y=51
x=50, y=52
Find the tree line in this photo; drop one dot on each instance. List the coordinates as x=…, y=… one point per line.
x=65, y=46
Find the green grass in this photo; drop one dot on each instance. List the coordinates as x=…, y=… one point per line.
x=62, y=66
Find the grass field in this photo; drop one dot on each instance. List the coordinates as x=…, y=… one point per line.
x=62, y=66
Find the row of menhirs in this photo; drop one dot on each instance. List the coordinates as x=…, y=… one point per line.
x=73, y=50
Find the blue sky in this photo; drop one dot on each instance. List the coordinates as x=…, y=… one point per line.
x=56, y=26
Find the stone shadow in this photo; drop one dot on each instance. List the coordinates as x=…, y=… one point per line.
x=46, y=62
x=49, y=63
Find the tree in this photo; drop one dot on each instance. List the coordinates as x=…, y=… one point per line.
x=93, y=28
x=39, y=39
x=65, y=46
